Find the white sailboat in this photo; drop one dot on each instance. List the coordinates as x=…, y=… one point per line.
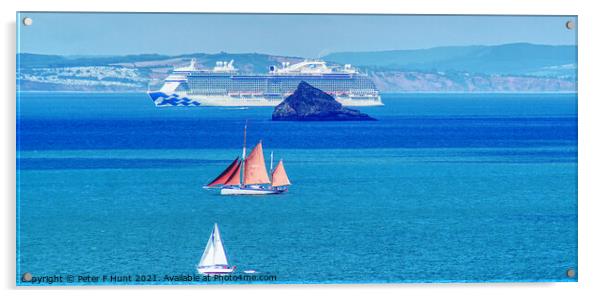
x=255, y=180
x=214, y=260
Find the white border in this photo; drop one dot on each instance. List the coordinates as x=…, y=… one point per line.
x=589, y=142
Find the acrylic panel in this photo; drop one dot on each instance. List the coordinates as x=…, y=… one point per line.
x=190, y=148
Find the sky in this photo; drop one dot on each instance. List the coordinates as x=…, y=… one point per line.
x=309, y=36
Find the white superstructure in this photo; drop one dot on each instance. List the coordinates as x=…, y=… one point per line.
x=224, y=85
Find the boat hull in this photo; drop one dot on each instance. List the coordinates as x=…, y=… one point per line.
x=215, y=270
x=162, y=99
x=248, y=191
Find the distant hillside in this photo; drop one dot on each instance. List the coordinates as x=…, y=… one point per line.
x=511, y=59
x=34, y=60
x=505, y=68
x=248, y=62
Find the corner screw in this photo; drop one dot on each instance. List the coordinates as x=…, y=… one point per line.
x=569, y=25
x=27, y=21
x=570, y=273
x=26, y=277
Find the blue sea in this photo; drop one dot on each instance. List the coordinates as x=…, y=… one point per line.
x=442, y=188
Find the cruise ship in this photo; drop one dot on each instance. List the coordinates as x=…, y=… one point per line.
x=224, y=85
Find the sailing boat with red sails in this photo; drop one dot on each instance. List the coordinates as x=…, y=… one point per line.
x=252, y=170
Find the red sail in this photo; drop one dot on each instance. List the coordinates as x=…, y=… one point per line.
x=234, y=179
x=255, y=171
x=225, y=175
x=279, y=177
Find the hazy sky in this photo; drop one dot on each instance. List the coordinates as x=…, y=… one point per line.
x=295, y=35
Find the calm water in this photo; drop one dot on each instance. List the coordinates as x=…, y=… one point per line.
x=442, y=188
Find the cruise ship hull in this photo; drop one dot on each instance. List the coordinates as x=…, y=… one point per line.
x=162, y=99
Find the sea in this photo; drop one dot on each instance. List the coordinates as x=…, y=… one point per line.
x=442, y=188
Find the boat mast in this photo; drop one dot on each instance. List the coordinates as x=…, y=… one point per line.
x=244, y=153
x=271, y=161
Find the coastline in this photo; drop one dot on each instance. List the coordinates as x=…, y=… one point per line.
x=384, y=93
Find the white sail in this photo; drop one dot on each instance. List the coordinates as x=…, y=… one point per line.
x=207, y=258
x=214, y=253
x=220, y=254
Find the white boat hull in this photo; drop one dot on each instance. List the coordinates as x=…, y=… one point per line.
x=235, y=191
x=215, y=270
x=182, y=99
